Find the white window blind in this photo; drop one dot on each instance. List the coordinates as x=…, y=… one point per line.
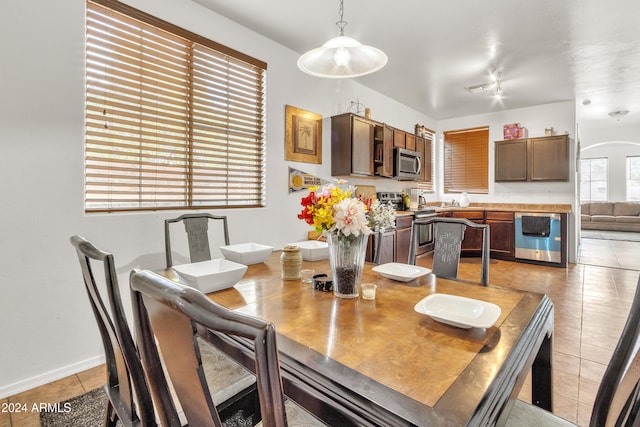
x=172, y=120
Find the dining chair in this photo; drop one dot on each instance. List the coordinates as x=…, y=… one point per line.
x=378, y=256
x=168, y=316
x=448, y=234
x=128, y=397
x=617, y=401
x=197, y=229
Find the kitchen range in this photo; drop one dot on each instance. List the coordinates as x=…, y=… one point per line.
x=425, y=236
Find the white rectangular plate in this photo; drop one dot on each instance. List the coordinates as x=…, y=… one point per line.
x=401, y=272
x=459, y=311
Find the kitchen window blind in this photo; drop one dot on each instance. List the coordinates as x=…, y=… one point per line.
x=173, y=120
x=466, y=161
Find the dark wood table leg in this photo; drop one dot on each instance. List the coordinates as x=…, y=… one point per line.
x=541, y=387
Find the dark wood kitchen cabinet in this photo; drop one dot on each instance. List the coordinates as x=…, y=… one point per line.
x=549, y=158
x=410, y=141
x=533, y=159
x=383, y=148
x=511, y=160
x=501, y=234
x=423, y=146
x=399, y=138
x=352, y=145
x=472, y=242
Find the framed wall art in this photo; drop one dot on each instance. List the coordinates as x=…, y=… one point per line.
x=303, y=135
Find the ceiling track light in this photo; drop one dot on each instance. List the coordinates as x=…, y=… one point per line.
x=342, y=56
x=618, y=113
x=484, y=87
x=479, y=88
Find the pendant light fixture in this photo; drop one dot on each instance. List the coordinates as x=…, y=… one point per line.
x=342, y=57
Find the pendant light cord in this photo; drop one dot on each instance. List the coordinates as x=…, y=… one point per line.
x=341, y=23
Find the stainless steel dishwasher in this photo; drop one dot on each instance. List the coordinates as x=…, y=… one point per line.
x=538, y=237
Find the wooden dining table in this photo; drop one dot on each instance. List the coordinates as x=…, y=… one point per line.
x=381, y=363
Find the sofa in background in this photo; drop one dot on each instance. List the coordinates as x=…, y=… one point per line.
x=613, y=216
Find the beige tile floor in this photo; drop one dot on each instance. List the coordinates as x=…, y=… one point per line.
x=591, y=301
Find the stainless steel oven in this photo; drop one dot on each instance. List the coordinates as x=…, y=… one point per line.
x=538, y=237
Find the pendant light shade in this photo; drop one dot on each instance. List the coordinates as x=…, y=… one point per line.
x=342, y=57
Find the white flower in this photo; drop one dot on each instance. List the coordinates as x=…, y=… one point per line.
x=381, y=216
x=350, y=217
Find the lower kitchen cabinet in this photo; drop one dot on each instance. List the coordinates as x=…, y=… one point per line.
x=501, y=234
x=472, y=242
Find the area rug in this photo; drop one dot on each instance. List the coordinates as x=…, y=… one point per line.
x=628, y=236
x=88, y=410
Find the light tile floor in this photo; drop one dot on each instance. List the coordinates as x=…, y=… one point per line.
x=591, y=301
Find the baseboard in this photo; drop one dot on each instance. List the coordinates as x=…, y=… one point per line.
x=47, y=377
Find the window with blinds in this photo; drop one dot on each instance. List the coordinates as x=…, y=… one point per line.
x=466, y=161
x=173, y=120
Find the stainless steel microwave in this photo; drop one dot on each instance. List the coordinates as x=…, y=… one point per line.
x=407, y=164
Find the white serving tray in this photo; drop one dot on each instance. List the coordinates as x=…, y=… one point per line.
x=459, y=311
x=401, y=272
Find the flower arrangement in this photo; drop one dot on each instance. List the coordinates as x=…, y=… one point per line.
x=381, y=216
x=333, y=209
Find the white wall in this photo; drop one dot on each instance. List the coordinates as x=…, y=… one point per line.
x=561, y=116
x=48, y=330
x=614, y=142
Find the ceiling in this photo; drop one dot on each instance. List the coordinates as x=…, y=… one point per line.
x=545, y=50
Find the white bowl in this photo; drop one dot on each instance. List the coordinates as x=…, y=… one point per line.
x=246, y=253
x=312, y=250
x=401, y=272
x=210, y=276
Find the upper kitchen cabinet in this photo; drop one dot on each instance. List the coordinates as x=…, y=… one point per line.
x=384, y=150
x=549, y=158
x=410, y=141
x=399, y=138
x=352, y=145
x=364, y=147
x=423, y=146
x=534, y=159
x=511, y=160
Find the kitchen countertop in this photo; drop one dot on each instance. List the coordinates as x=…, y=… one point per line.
x=504, y=207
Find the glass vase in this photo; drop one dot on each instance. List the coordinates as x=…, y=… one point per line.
x=346, y=256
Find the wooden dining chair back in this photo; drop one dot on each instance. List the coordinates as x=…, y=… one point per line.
x=127, y=391
x=617, y=401
x=448, y=234
x=197, y=229
x=167, y=318
x=380, y=255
